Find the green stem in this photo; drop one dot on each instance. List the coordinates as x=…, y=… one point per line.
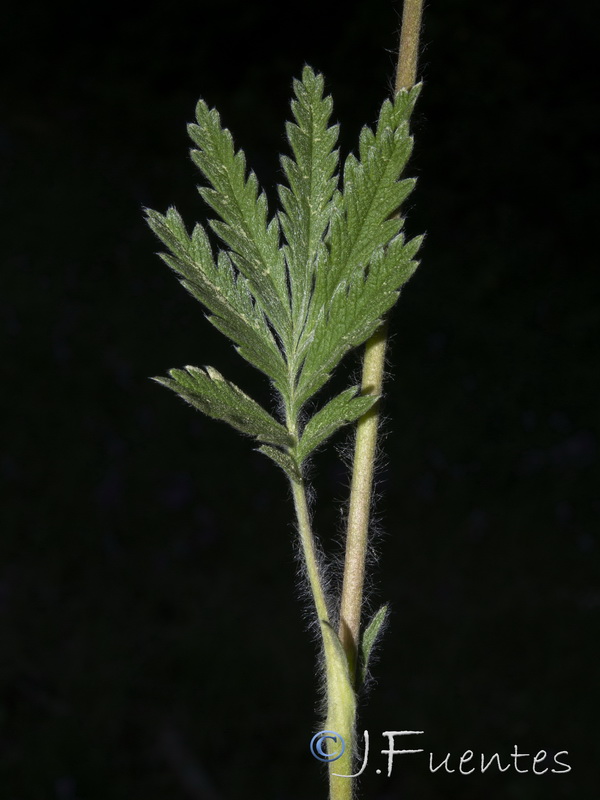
x=360, y=500
x=340, y=695
x=372, y=382
x=408, y=50
x=340, y=653
x=341, y=702
x=309, y=550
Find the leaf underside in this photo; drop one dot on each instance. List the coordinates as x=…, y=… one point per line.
x=296, y=291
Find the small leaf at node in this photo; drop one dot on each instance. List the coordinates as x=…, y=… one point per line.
x=370, y=636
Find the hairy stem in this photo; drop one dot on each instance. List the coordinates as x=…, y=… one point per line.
x=309, y=550
x=341, y=704
x=408, y=50
x=341, y=653
x=372, y=381
x=360, y=500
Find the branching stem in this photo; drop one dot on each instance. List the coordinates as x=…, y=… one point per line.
x=340, y=694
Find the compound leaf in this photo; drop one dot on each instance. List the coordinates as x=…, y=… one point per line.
x=295, y=311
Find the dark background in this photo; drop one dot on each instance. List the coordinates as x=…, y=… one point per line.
x=153, y=630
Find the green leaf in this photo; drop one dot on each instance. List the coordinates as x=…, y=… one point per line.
x=207, y=390
x=284, y=460
x=372, y=191
x=355, y=311
x=370, y=636
x=368, y=259
x=344, y=408
x=242, y=208
x=307, y=206
x=223, y=292
x=295, y=310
